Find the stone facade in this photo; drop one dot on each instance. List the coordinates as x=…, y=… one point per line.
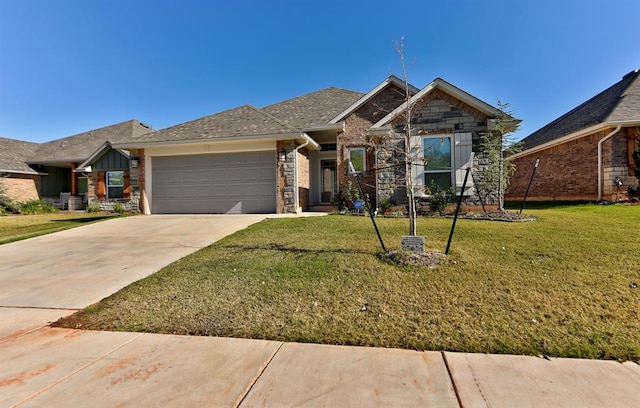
x=569, y=171
x=356, y=126
x=22, y=187
x=437, y=113
x=286, y=177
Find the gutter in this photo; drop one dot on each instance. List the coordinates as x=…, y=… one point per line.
x=600, y=142
x=295, y=163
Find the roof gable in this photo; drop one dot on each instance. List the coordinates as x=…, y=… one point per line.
x=244, y=121
x=446, y=87
x=78, y=148
x=14, y=155
x=316, y=108
x=616, y=104
x=391, y=81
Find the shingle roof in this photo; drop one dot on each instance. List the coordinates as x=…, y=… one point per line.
x=242, y=121
x=620, y=102
x=316, y=108
x=78, y=147
x=14, y=154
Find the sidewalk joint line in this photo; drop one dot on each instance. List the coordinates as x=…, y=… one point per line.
x=257, y=377
x=453, y=383
x=71, y=374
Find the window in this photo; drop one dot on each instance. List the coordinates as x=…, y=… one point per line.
x=83, y=185
x=437, y=161
x=115, y=184
x=357, y=157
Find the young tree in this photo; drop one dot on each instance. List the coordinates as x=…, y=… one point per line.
x=496, y=148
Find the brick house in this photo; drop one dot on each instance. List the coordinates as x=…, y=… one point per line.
x=585, y=154
x=293, y=156
x=287, y=157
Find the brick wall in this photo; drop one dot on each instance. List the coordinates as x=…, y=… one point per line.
x=22, y=187
x=304, y=180
x=569, y=172
x=355, y=127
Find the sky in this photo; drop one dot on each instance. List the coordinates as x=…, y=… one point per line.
x=70, y=66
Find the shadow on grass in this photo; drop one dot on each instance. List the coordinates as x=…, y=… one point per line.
x=283, y=248
x=87, y=219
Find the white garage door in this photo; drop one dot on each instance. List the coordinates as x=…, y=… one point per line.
x=214, y=183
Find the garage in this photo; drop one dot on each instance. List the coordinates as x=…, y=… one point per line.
x=235, y=183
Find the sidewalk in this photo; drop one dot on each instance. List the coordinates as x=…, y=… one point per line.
x=74, y=368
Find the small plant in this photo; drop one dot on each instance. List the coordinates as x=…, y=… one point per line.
x=339, y=202
x=7, y=205
x=118, y=207
x=93, y=208
x=32, y=207
x=633, y=191
x=385, y=205
x=439, y=197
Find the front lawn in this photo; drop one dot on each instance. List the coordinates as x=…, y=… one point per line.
x=17, y=227
x=564, y=285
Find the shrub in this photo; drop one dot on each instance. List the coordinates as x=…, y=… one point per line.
x=385, y=204
x=118, y=207
x=93, y=208
x=439, y=197
x=32, y=207
x=7, y=205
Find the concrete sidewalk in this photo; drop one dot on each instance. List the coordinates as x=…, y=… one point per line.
x=74, y=368
x=49, y=277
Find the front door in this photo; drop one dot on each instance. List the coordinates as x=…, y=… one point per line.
x=329, y=174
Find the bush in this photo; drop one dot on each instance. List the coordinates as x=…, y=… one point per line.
x=439, y=197
x=7, y=205
x=118, y=207
x=93, y=208
x=32, y=207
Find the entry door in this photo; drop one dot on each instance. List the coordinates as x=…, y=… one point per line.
x=328, y=169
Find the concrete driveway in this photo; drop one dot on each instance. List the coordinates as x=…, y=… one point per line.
x=53, y=275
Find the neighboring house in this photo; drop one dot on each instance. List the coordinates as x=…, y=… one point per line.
x=586, y=154
x=293, y=155
x=21, y=182
x=83, y=165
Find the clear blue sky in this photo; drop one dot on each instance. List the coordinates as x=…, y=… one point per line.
x=69, y=66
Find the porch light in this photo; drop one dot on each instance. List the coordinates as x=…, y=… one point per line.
x=134, y=163
x=282, y=156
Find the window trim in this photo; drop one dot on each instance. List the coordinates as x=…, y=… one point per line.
x=109, y=186
x=422, y=172
x=364, y=158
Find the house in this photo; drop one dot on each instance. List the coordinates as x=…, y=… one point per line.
x=585, y=154
x=287, y=157
x=83, y=165
x=294, y=155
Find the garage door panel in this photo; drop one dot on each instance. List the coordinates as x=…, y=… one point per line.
x=214, y=183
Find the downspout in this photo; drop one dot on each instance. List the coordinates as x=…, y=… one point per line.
x=295, y=169
x=600, y=142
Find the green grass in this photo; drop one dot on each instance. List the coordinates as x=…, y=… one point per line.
x=560, y=286
x=18, y=227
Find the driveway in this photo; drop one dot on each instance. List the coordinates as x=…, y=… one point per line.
x=53, y=275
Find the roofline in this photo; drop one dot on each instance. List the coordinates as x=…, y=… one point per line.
x=34, y=173
x=575, y=135
x=227, y=139
x=392, y=79
x=99, y=152
x=339, y=126
x=448, y=88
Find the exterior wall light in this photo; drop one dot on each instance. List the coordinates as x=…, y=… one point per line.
x=282, y=156
x=134, y=163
